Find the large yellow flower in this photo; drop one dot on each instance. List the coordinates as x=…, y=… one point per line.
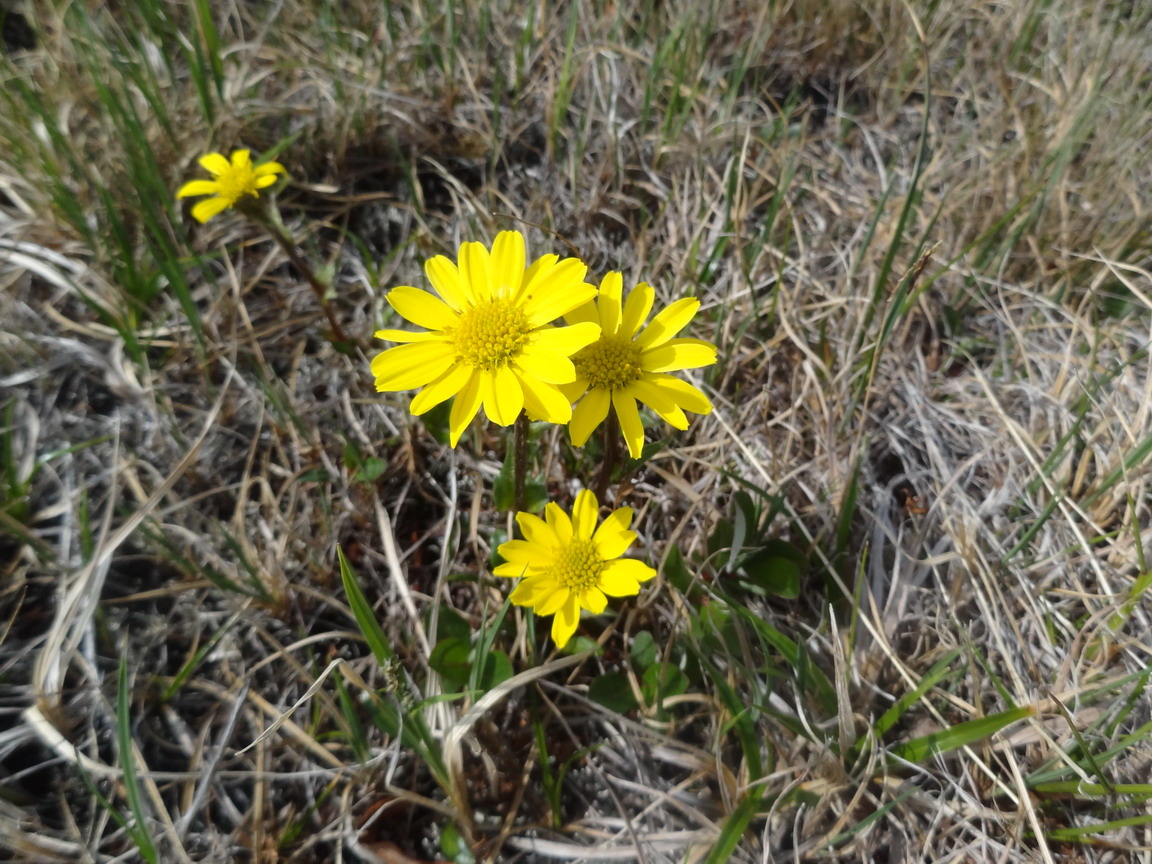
x=570, y=564
x=490, y=339
x=621, y=367
x=231, y=181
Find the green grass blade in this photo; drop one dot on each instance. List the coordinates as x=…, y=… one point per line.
x=139, y=830
x=920, y=749
x=365, y=617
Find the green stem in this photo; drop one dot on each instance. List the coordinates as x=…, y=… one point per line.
x=611, y=455
x=270, y=217
x=520, y=465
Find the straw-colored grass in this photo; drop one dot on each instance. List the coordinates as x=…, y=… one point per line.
x=919, y=232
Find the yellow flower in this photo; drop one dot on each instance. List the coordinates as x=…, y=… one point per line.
x=231, y=181
x=622, y=367
x=567, y=566
x=490, y=339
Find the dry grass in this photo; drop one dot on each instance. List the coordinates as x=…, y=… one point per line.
x=920, y=235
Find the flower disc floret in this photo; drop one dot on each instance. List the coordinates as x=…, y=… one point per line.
x=232, y=179
x=578, y=566
x=569, y=564
x=629, y=363
x=489, y=337
x=609, y=362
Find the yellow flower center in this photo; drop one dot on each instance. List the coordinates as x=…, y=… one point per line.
x=235, y=183
x=490, y=335
x=611, y=362
x=579, y=565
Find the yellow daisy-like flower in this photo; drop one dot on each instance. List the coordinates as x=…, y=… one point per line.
x=490, y=339
x=621, y=367
x=231, y=181
x=570, y=564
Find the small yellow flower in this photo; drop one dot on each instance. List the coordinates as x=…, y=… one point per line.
x=231, y=181
x=568, y=566
x=489, y=340
x=621, y=367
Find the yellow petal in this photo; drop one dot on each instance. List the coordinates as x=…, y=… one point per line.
x=464, y=408
x=510, y=570
x=544, y=365
x=421, y=308
x=441, y=390
x=585, y=313
x=508, y=263
x=559, y=522
x=476, y=270
x=503, y=396
x=555, y=292
x=636, y=309
x=209, y=207
x=241, y=158
x=409, y=366
x=679, y=354
x=269, y=168
x=593, y=600
x=533, y=591
x=622, y=577
x=660, y=402
x=265, y=181
x=544, y=401
x=668, y=322
x=572, y=392
x=611, y=290
x=630, y=423
x=585, y=512
x=409, y=335
x=565, y=340
x=198, y=187
x=518, y=551
x=541, y=264
x=555, y=600
x=215, y=164
x=449, y=284
x=566, y=620
x=687, y=396
x=612, y=538
x=588, y=414
x=536, y=531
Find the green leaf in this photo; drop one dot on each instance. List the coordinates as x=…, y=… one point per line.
x=497, y=670
x=734, y=829
x=504, y=487
x=613, y=691
x=373, y=467
x=893, y=714
x=677, y=572
x=662, y=680
x=454, y=847
x=362, y=611
x=962, y=734
x=139, y=829
x=776, y=570
x=450, y=660
x=451, y=624
x=743, y=524
x=644, y=651
x=721, y=537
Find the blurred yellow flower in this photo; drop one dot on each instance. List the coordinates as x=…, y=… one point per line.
x=489, y=337
x=231, y=181
x=621, y=367
x=570, y=564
